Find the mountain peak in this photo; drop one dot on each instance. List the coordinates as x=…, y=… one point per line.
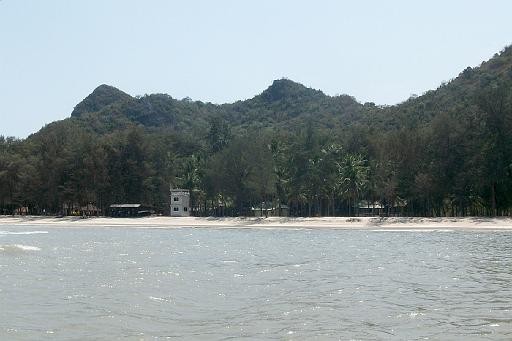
x=102, y=96
x=284, y=88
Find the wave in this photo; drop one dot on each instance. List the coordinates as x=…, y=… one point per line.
x=13, y=248
x=22, y=232
x=413, y=230
x=160, y=299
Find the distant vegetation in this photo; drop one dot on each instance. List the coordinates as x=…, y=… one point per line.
x=446, y=152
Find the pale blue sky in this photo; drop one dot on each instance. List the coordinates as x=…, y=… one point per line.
x=53, y=53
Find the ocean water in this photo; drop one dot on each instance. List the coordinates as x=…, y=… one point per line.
x=272, y=284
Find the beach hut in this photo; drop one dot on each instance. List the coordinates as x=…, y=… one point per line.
x=268, y=210
x=367, y=208
x=129, y=210
x=90, y=210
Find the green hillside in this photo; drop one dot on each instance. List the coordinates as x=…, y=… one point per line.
x=284, y=105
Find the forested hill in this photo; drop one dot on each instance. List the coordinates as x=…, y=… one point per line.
x=286, y=105
x=283, y=105
x=458, y=95
x=446, y=152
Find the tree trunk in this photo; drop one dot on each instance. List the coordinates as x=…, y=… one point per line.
x=333, y=205
x=493, y=198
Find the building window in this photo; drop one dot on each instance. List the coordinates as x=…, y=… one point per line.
x=176, y=199
x=185, y=209
x=176, y=209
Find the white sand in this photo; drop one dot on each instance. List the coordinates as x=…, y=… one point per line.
x=367, y=223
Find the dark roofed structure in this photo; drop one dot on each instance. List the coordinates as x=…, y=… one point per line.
x=129, y=210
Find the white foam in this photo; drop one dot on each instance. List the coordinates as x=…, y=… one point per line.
x=156, y=298
x=22, y=232
x=161, y=299
x=412, y=230
x=18, y=247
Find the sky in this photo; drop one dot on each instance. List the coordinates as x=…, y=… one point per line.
x=53, y=53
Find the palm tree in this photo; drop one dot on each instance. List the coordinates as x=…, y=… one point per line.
x=191, y=178
x=329, y=155
x=352, y=177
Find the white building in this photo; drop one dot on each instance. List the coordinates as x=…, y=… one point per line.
x=180, y=202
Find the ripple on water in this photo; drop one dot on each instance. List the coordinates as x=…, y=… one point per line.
x=271, y=284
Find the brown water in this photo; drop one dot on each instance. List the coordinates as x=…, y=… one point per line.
x=219, y=284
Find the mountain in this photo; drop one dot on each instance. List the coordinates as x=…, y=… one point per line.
x=101, y=97
x=458, y=95
x=285, y=105
x=285, y=89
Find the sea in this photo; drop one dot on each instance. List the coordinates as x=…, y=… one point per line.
x=100, y=283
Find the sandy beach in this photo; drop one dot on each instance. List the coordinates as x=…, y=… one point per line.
x=361, y=223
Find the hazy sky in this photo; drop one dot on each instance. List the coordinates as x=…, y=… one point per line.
x=53, y=53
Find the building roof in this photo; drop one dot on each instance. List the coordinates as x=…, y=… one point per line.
x=269, y=207
x=125, y=205
x=177, y=190
x=378, y=205
x=369, y=205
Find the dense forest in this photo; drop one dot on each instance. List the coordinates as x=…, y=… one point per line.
x=447, y=152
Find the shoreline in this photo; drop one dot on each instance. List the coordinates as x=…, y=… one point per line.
x=347, y=223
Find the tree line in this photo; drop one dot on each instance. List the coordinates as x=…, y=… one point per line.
x=458, y=164
x=445, y=153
